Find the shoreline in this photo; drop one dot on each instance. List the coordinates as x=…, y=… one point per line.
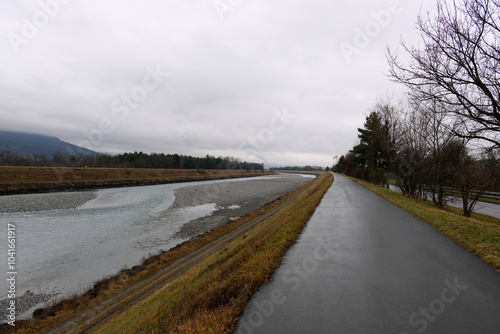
x=231, y=200
x=44, y=201
x=33, y=180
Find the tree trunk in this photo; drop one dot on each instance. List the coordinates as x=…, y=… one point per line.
x=440, y=196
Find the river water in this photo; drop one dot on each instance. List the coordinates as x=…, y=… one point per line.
x=60, y=252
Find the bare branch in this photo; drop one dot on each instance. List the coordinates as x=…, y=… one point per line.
x=457, y=65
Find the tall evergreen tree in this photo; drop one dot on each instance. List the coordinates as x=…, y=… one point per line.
x=369, y=154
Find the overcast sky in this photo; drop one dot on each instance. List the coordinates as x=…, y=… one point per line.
x=274, y=81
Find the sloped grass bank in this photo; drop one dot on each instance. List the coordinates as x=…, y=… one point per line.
x=35, y=179
x=210, y=296
x=479, y=234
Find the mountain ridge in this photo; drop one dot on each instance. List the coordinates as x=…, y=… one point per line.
x=31, y=144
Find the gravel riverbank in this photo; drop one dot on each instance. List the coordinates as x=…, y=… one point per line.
x=231, y=199
x=45, y=202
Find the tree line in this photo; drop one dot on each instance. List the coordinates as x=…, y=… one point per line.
x=445, y=133
x=129, y=160
x=307, y=168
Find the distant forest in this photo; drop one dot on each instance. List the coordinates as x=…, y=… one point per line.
x=304, y=168
x=128, y=160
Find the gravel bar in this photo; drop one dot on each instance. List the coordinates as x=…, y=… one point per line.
x=232, y=199
x=24, y=303
x=45, y=202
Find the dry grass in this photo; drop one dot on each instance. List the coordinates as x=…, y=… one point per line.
x=210, y=296
x=479, y=234
x=313, y=172
x=26, y=179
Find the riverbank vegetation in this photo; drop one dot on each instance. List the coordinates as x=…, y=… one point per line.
x=479, y=234
x=446, y=132
x=423, y=158
x=33, y=179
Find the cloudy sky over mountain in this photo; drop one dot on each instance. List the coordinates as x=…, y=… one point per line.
x=283, y=81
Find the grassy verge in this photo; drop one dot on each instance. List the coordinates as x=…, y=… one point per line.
x=481, y=199
x=30, y=179
x=489, y=200
x=210, y=296
x=313, y=172
x=479, y=234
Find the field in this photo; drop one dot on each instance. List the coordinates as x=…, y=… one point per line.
x=32, y=179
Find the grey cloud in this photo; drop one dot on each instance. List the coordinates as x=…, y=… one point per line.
x=225, y=80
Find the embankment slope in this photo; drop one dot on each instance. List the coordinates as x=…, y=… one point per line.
x=15, y=180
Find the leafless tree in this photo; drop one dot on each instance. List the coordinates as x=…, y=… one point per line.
x=391, y=134
x=413, y=152
x=436, y=129
x=471, y=176
x=458, y=65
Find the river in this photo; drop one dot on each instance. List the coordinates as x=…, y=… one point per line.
x=60, y=252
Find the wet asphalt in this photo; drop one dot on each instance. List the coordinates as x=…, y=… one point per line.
x=363, y=265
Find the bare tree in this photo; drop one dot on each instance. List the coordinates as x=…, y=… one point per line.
x=391, y=132
x=471, y=176
x=413, y=151
x=458, y=64
x=436, y=129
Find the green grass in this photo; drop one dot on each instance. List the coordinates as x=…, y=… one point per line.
x=489, y=200
x=479, y=234
x=210, y=296
x=482, y=199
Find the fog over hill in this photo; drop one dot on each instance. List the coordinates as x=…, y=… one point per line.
x=29, y=144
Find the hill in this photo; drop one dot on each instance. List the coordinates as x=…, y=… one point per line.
x=28, y=144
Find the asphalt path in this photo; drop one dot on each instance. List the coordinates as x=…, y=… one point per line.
x=363, y=265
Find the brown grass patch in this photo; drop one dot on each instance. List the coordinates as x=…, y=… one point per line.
x=32, y=179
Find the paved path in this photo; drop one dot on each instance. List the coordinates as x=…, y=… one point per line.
x=364, y=265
